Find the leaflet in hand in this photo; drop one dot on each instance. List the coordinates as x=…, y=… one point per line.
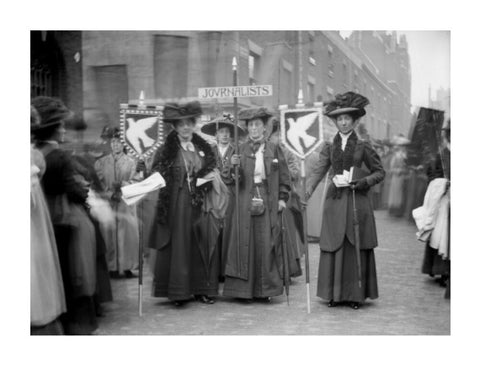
x=132, y=193
x=203, y=180
x=342, y=180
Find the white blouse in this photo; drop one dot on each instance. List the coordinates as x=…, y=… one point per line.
x=259, y=173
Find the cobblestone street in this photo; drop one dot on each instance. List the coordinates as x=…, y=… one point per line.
x=410, y=302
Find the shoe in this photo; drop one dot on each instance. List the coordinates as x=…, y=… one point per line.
x=265, y=299
x=204, y=299
x=129, y=274
x=442, y=281
x=355, y=305
x=332, y=303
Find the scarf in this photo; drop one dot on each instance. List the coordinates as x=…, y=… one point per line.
x=255, y=144
x=343, y=160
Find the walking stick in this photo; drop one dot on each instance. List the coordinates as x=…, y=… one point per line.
x=140, y=256
x=140, y=262
x=237, y=218
x=356, y=230
x=286, y=268
x=305, y=238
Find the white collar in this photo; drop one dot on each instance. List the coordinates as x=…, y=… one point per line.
x=222, y=149
x=345, y=136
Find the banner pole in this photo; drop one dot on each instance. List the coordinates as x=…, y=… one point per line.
x=235, y=114
x=305, y=234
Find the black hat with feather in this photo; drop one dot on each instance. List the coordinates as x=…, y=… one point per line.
x=348, y=103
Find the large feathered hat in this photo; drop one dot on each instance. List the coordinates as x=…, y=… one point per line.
x=348, y=103
x=173, y=112
x=52, y=111
x=226, y=120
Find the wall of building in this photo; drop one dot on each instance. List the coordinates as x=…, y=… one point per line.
x=320, y=62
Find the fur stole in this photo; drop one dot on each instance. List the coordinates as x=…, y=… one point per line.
x=164, y=160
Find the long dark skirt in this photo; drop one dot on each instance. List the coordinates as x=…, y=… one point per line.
x=224, y=239
x=80, y=318
x=264, y=278
x=338, y=275
x=433, y=264
x=179, y=270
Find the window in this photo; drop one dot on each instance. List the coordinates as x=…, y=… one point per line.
x=170, y=66
x=331, y=69
x=253, y=63
x=286, y=83
x=41, y=80
x=330, y=93
x=330, y=51
x=311, y=53
x=311, y=92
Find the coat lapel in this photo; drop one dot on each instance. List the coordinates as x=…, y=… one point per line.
x=268, y=156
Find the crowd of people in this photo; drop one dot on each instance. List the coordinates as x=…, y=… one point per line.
x=204, y=230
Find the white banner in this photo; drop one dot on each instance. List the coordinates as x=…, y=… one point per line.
x=235, y=91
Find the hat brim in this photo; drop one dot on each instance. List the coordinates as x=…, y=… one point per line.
x=212, y=128
x=176, y=119
x=356, y=111
x=39, y=127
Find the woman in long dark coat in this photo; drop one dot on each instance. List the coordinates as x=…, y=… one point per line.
x=337, y=272
x=252, y=270
x=179, y=271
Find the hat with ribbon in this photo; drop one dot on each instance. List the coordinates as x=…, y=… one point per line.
x=254, y=113
x=348, y=103
x=173, y=112
x=225, y=121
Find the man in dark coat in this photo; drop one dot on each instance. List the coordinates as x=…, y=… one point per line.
x=337, y=276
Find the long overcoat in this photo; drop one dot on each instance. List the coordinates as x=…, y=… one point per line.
x=278, y=182
x=338, y=210
x=169, y=164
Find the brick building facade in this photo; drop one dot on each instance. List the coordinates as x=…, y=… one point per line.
x=115, y=67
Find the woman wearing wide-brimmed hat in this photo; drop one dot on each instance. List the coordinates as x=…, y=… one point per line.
x=179, y=272
x=251, y=271
x=122, y=238
x=337, y=273
x=66, y=192
x=223, y=129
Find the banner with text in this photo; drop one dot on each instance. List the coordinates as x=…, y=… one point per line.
x=235, y=91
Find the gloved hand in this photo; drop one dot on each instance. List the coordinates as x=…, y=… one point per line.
x=360, y=185
x=116, y=186
x=141, y=166
x=116, y=196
